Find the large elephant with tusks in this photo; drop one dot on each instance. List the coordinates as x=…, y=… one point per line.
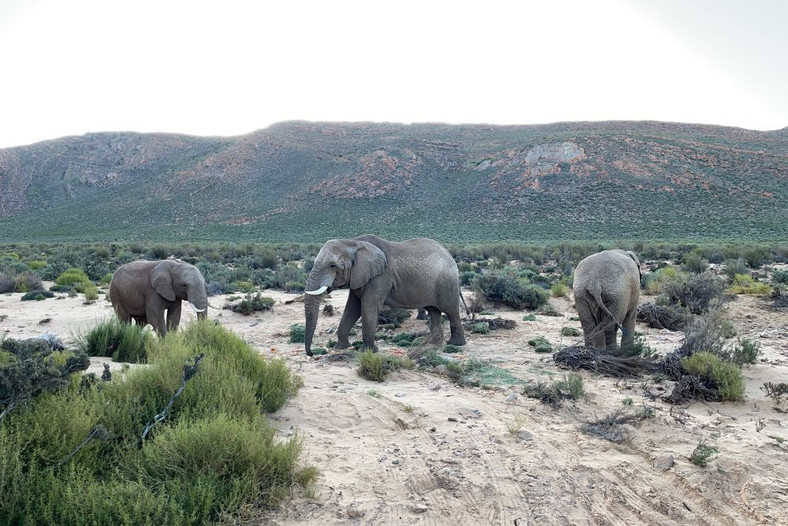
x=409, y=274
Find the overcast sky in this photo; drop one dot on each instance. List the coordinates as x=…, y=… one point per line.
x=231, y=67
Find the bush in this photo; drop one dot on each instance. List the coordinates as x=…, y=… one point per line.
x=726, y=378
x=745, y=284
x=376, y=366
x=6, y=284
x=27, y=281
x=297, y=333
x=708, y=332
x=694, y=292
x=120, y=341
x=481, y=327
x=569, y=331
x=541, y=345
x=780, y=276
x=502, y=287
x=214, y=455
x=736, y=266
x=37, y=295
x=251, y=304
x=702, y=453
x=559, y=290
x=72, y=277
x=745, y=352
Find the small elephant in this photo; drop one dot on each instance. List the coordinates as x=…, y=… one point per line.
x=144, y=290
x=410, y=274
x=607, y=290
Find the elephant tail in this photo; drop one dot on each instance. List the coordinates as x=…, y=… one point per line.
x=467, y=310
x=596, y=292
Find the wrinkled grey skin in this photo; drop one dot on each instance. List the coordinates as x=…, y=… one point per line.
x=144, y=290
x=607, y=290
x=410, y=274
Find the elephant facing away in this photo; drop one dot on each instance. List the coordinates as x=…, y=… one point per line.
x=607, y=290
x=409, y=274
x=145, y=290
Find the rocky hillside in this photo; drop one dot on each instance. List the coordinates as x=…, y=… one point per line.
x=304, y=181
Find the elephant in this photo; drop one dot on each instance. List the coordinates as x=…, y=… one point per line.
x=607, y=290
x=143, y=290
x=409, y=274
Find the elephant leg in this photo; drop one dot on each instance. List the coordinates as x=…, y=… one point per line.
x=369, y=321
x=141, y=321
x=123, y=314
x=628, y=337
x=457, y=332
x=174, y=316
x=349, y=318
x=436, y=331
x=593, y=334
x=611, y=331
x=155, y=314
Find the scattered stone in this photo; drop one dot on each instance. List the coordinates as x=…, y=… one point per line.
x=525, y=435
x=452, y=419
x=395, y=461
x=353, y=512
x=419, y=508
x=511, y=397
x=663, y=462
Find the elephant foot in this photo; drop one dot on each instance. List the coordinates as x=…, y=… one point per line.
x=369, y=347
x=456, y=340
x=434, y=339
x=342, y=344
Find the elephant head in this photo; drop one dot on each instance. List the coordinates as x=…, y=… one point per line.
x=339, y=263
x=175, y=280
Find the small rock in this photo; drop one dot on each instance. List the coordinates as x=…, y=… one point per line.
x=353, y=512
x=452, y=419
x=395, y=461
x=663, y=462
x=525, y=435
x=419, y=508
x=511, y=397
x=433, y=429
x=434, y=386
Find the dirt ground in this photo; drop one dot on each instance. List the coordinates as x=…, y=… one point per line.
x=418, y=449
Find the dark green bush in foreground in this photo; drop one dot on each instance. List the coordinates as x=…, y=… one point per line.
x=212, y=456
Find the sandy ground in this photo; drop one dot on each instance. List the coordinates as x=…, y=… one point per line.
x=418, y=449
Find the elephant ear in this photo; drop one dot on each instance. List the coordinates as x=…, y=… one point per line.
x=161, y=279
x=634, y=258
x=368, y=262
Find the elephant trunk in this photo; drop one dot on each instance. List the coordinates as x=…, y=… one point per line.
x=311, y=306
x=198, y=299
x=316, y=285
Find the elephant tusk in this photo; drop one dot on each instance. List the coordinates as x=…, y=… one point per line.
x=317, y=292
x=195, y=309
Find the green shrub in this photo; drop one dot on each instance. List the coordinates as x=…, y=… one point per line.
x=452, y=349
x=569, y=331
x=297, y=333
x=693, y=291
x=702, y=454
x=481, y=327
x=780, y=276
x=725, y=377
x=559, y=290
x=540, y=345
x=745, y=284
x=120, y=341
x=745, y=352
x=735, y=266
x=27, y=281
x=213, y=455
x=72, y=277
x=251, y=304
x=37, y=295
x=376, y=366
x=91, y=291
x=503, y=287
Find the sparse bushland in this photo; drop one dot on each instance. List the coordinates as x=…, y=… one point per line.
x=554, y=393
x=702, y=453
x=745, y=284
x=213, y=457
x=251, y=304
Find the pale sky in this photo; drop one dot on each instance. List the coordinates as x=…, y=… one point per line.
x=69, y=67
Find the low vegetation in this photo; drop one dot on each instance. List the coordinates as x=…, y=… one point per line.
x=211, y=456
x=120, y=341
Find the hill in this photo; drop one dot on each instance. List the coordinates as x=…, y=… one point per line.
x=303, y=181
